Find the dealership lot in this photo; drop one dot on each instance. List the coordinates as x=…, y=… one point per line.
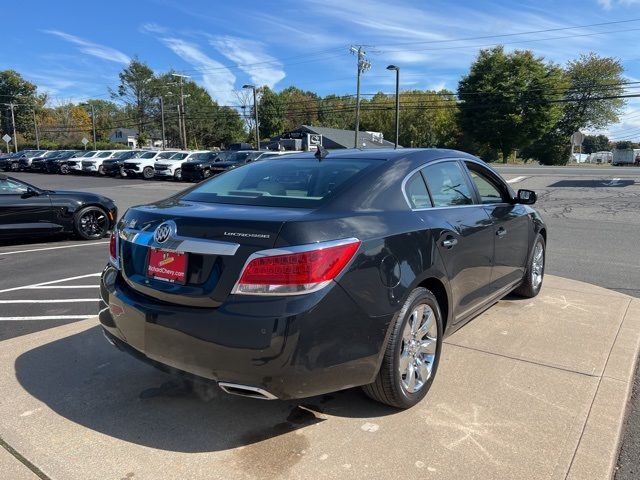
x=512, y=392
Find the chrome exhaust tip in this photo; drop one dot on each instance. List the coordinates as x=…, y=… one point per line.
x=246, y=391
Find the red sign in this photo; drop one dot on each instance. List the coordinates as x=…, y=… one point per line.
x=167, y=266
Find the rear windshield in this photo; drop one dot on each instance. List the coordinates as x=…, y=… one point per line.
x=292, y=182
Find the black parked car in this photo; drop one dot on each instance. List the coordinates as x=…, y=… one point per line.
x=216, y=163
x=56, y=164
x=26, y=210
x=113, y=166
x=297, y=276
x=12, y=162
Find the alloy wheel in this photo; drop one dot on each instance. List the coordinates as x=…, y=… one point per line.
x=418, y=352
x=93, y=223
x=537, y=265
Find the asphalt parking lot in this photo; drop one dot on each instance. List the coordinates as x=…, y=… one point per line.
x=593, y=230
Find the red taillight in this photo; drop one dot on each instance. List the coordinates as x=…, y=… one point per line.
x=113, y=250
x=298, y=272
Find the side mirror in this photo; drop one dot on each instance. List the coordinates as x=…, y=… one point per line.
x=526, y=197
x=30, y=193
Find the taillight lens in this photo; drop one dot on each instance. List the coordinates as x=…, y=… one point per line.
x=113, y=247
x=304, y=270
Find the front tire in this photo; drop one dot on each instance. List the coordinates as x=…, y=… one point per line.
x=91, y=223
x=64, y=169
x=101, y=171
x=147, y=173
x=412, y=355
x=534, y=275
x=177, y=176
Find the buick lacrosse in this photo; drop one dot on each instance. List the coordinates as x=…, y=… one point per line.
x=306, y=274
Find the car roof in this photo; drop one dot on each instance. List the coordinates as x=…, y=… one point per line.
x=389, y=154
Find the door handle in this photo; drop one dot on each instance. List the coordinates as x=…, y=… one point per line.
x=449, y=242
x=501, y=232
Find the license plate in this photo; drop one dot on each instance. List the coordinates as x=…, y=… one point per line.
x=168, y=266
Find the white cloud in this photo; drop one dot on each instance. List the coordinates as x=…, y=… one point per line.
x=609, y=4
x=216, y=78
x=94, y=49
x=251, y=58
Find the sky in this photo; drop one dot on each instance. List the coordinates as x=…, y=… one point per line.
x=74, y=51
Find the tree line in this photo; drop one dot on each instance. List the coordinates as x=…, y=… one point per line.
x=509, y=103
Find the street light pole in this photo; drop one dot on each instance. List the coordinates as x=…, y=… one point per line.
x=13, y=123
x=397, y=69
x=255, y=110
x=35, y=128
x=164, y=144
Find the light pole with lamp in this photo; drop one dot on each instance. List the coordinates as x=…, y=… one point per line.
x=397, y=69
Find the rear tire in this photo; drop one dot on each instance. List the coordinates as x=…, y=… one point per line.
x=414, y=348
x=534, y=275
x=147, y=173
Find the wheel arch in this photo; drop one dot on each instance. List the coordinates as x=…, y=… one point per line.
x=435, y=286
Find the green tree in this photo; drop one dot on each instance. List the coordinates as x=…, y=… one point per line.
x=301, y=108
x=138, y=90
x=24, y=95
x=108, y=116
x=593, y=80
x=625, y=144
x=271, y=113
x=337, y=112
x=595, y=143
x=506, y=99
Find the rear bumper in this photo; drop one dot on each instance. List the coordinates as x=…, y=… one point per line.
x=291, y=347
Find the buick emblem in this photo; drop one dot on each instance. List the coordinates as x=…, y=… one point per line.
x=164, y=232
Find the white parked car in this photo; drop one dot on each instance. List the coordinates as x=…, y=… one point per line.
x=171, y=167
x=94, y=164
x=142, y=164
x=75, y=164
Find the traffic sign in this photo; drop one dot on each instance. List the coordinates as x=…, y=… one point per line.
x=577, y=138
x=84, y=141
x=6, y=138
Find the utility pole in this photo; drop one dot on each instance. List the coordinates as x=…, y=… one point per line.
x=93, y=122
x=13, y=123
x=35, y=128
x=181, y=109
x=255, y=112
x=363, y=66
x=164, y=144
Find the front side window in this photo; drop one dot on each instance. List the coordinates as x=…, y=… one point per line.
x=294, y=182
x=447, y=184
x=489, y=192
x=416, y=191
x=9, y=187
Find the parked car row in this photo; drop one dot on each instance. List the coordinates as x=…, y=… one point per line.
x=148, y=164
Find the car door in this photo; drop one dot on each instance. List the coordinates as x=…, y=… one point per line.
x=510, y=225
x=462, y=231
x=23, y=212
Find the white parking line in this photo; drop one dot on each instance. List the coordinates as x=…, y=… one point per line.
x=48, y=317
x=13, y=289
x=58, y=300
x=52, y=248
x=48, y=287
x=516, y=180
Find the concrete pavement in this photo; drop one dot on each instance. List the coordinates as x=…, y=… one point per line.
x=531, y=389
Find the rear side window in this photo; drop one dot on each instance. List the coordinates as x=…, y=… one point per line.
x=447, y=184
x=299, y=182
x=416, y=191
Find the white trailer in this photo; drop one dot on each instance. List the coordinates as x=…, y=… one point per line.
x=628, y=156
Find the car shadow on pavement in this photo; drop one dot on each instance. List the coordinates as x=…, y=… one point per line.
x=86, y=380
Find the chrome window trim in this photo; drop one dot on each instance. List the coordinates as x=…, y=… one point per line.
x=177, y=243
x=442, y=160
x=286, y=251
